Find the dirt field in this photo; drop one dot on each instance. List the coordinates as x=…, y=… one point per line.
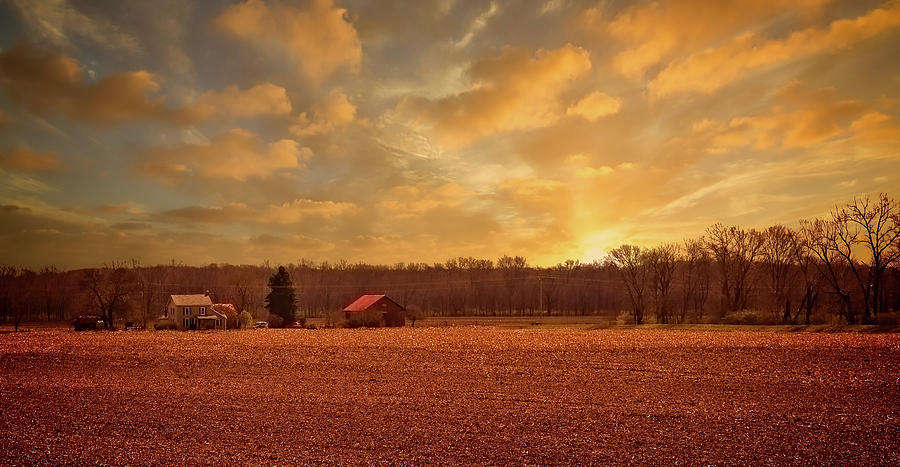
x=457, y=395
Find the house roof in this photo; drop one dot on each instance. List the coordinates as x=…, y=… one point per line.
x=191, y=300
x=367, y=301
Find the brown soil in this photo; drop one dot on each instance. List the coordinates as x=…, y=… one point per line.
x=458, y=395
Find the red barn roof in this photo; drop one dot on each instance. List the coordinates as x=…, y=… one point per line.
x=367, y=302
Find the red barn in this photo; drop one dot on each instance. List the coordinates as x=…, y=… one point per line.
x=391, y=312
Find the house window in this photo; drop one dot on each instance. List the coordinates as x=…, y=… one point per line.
x=202, y=310
x=187, y=311
x=187, y=322
x=217, y=323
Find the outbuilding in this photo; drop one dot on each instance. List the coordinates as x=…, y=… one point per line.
x=390, y=312
x=89, y=323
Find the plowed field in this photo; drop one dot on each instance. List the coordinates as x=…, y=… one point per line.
x=459, y=395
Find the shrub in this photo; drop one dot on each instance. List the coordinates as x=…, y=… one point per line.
x=275, y=321
x=334, y=318
x=245, y=319
x=164, y=326
x=888, y=319
x=368, y=319
x=749, y=317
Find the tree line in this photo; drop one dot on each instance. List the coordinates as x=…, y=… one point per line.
x=844, y=267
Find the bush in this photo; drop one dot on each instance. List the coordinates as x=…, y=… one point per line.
x=245, y=319
x=275, y=321
x=334, y=318
x=888, y=319
x=749, y=317
x=165, y=326
x=368, y=319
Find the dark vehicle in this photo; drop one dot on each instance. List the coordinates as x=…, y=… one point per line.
x=261, y=325
x=89, y=323
x=295, y=325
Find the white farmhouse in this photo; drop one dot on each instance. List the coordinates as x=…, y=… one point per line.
x=193, y=312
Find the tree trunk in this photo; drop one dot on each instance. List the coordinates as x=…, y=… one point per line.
x=848, y=309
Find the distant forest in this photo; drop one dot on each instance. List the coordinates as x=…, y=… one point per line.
x=844, y=268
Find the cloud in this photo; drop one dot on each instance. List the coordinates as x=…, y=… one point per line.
x=408, y=201
x=118, y=209
x=131, y=226
x=594, y=106
x=877, y=128
x=45, y=82
x=285, y=246
x=5, y=119
x=655, y=31
x=25, y=159
x=542, y=198
x=233, y=212
x=802, y=117
x=21, y=183
x=237, y=154
x=319, y=37
x=264, y=99
x=334, y=111
x=710, y=70
x=299, y=209
x=513, y=91
x=593, y=172
x=540, y=212
x=286, y=213
x=54, y=21
x=477, y=25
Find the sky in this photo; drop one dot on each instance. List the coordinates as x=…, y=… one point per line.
x=397, y=131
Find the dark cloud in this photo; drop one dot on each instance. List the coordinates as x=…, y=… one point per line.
x=131, y=226
x=46, y=82
x=24, y=159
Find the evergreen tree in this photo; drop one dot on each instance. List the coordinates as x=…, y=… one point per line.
x=281, y=301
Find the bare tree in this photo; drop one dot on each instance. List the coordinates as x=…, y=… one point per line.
x=24, y=304
x=695, y=278
x=735, y=250
x=7, y=291
x=148, y=284
x=512, y=269
x=242, y=294
x=778, y=256
x=876, y=226
x=822, y=238
x=630, y=261
x=109, y=287
x=806, y=264
x=662, y=261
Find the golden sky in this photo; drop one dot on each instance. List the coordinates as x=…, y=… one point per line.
x=420, y=130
